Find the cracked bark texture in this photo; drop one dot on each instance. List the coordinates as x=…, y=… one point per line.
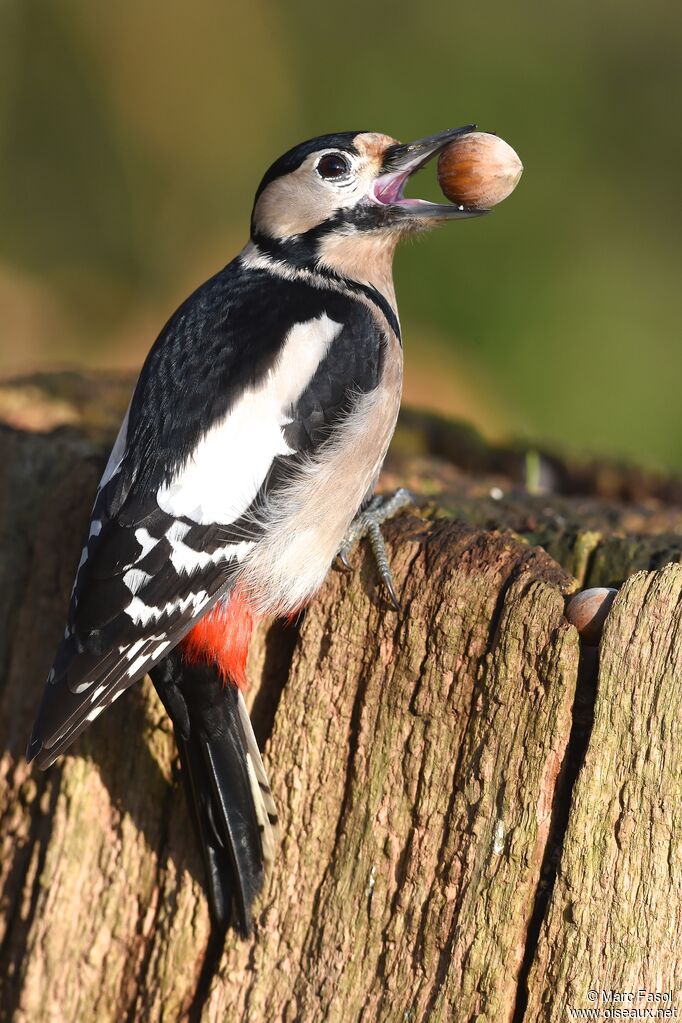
x=480, y=822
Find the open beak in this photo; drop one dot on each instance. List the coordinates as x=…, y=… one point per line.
x=404, y=159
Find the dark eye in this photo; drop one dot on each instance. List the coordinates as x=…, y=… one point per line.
x=333, y=165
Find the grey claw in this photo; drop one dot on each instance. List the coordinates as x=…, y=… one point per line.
x=343, y=558
x=392, y=595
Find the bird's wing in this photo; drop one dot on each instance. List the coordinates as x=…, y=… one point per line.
x=229, y=396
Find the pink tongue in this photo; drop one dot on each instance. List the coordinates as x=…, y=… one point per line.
x=390, y=192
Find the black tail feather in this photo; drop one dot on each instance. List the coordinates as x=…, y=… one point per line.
x=217, y=885
x=209, y=729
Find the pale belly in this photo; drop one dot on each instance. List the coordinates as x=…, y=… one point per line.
x=308, y=520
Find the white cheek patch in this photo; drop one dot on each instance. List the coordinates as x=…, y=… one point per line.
x=230, y=463
x=299, y=201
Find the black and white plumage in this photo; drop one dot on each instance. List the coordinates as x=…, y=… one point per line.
x=257, y=427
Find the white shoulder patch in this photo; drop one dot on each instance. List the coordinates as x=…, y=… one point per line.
x=231, y=461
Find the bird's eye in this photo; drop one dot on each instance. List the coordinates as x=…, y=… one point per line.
x=333, y=165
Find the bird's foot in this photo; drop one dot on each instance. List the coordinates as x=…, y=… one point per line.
x=368, y=523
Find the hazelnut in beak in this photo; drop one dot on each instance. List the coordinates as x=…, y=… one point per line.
x=478, y=170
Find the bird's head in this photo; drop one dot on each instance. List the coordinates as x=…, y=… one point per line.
x=333, y=198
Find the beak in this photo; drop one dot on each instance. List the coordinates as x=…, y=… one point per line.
x=404, y=159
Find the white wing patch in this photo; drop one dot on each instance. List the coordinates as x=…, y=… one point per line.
x=132, y=650
x=230, y=463
x=141, y=614
x=186, y=560
x=135, y=579
x=140, y=653
x=95, y=713
x=146, y=541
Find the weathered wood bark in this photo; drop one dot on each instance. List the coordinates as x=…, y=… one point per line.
x=480, y=821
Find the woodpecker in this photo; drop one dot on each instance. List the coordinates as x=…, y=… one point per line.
x=246, y=461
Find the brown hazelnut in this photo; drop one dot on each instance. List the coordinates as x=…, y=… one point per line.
x=478, y=170
x=588, y=611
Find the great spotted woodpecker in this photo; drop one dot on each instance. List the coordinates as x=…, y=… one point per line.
x=254, y=436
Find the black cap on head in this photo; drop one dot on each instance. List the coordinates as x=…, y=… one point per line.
x=293, y=158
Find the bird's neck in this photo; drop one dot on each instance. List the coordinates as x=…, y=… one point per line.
x=365, y=257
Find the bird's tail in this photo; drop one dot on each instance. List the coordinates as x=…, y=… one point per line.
x=225, y=782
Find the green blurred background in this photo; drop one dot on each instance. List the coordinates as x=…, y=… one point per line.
x=133, y=135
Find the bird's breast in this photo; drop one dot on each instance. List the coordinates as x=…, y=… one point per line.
x=306, y=521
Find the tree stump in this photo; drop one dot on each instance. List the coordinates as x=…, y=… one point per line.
x=481, y=819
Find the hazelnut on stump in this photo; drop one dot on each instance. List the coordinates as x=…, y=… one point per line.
x=588, y=610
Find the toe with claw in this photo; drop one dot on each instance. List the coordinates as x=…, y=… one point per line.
x=367, y=523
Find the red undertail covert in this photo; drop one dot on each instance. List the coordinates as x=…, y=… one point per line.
x=222, y=637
